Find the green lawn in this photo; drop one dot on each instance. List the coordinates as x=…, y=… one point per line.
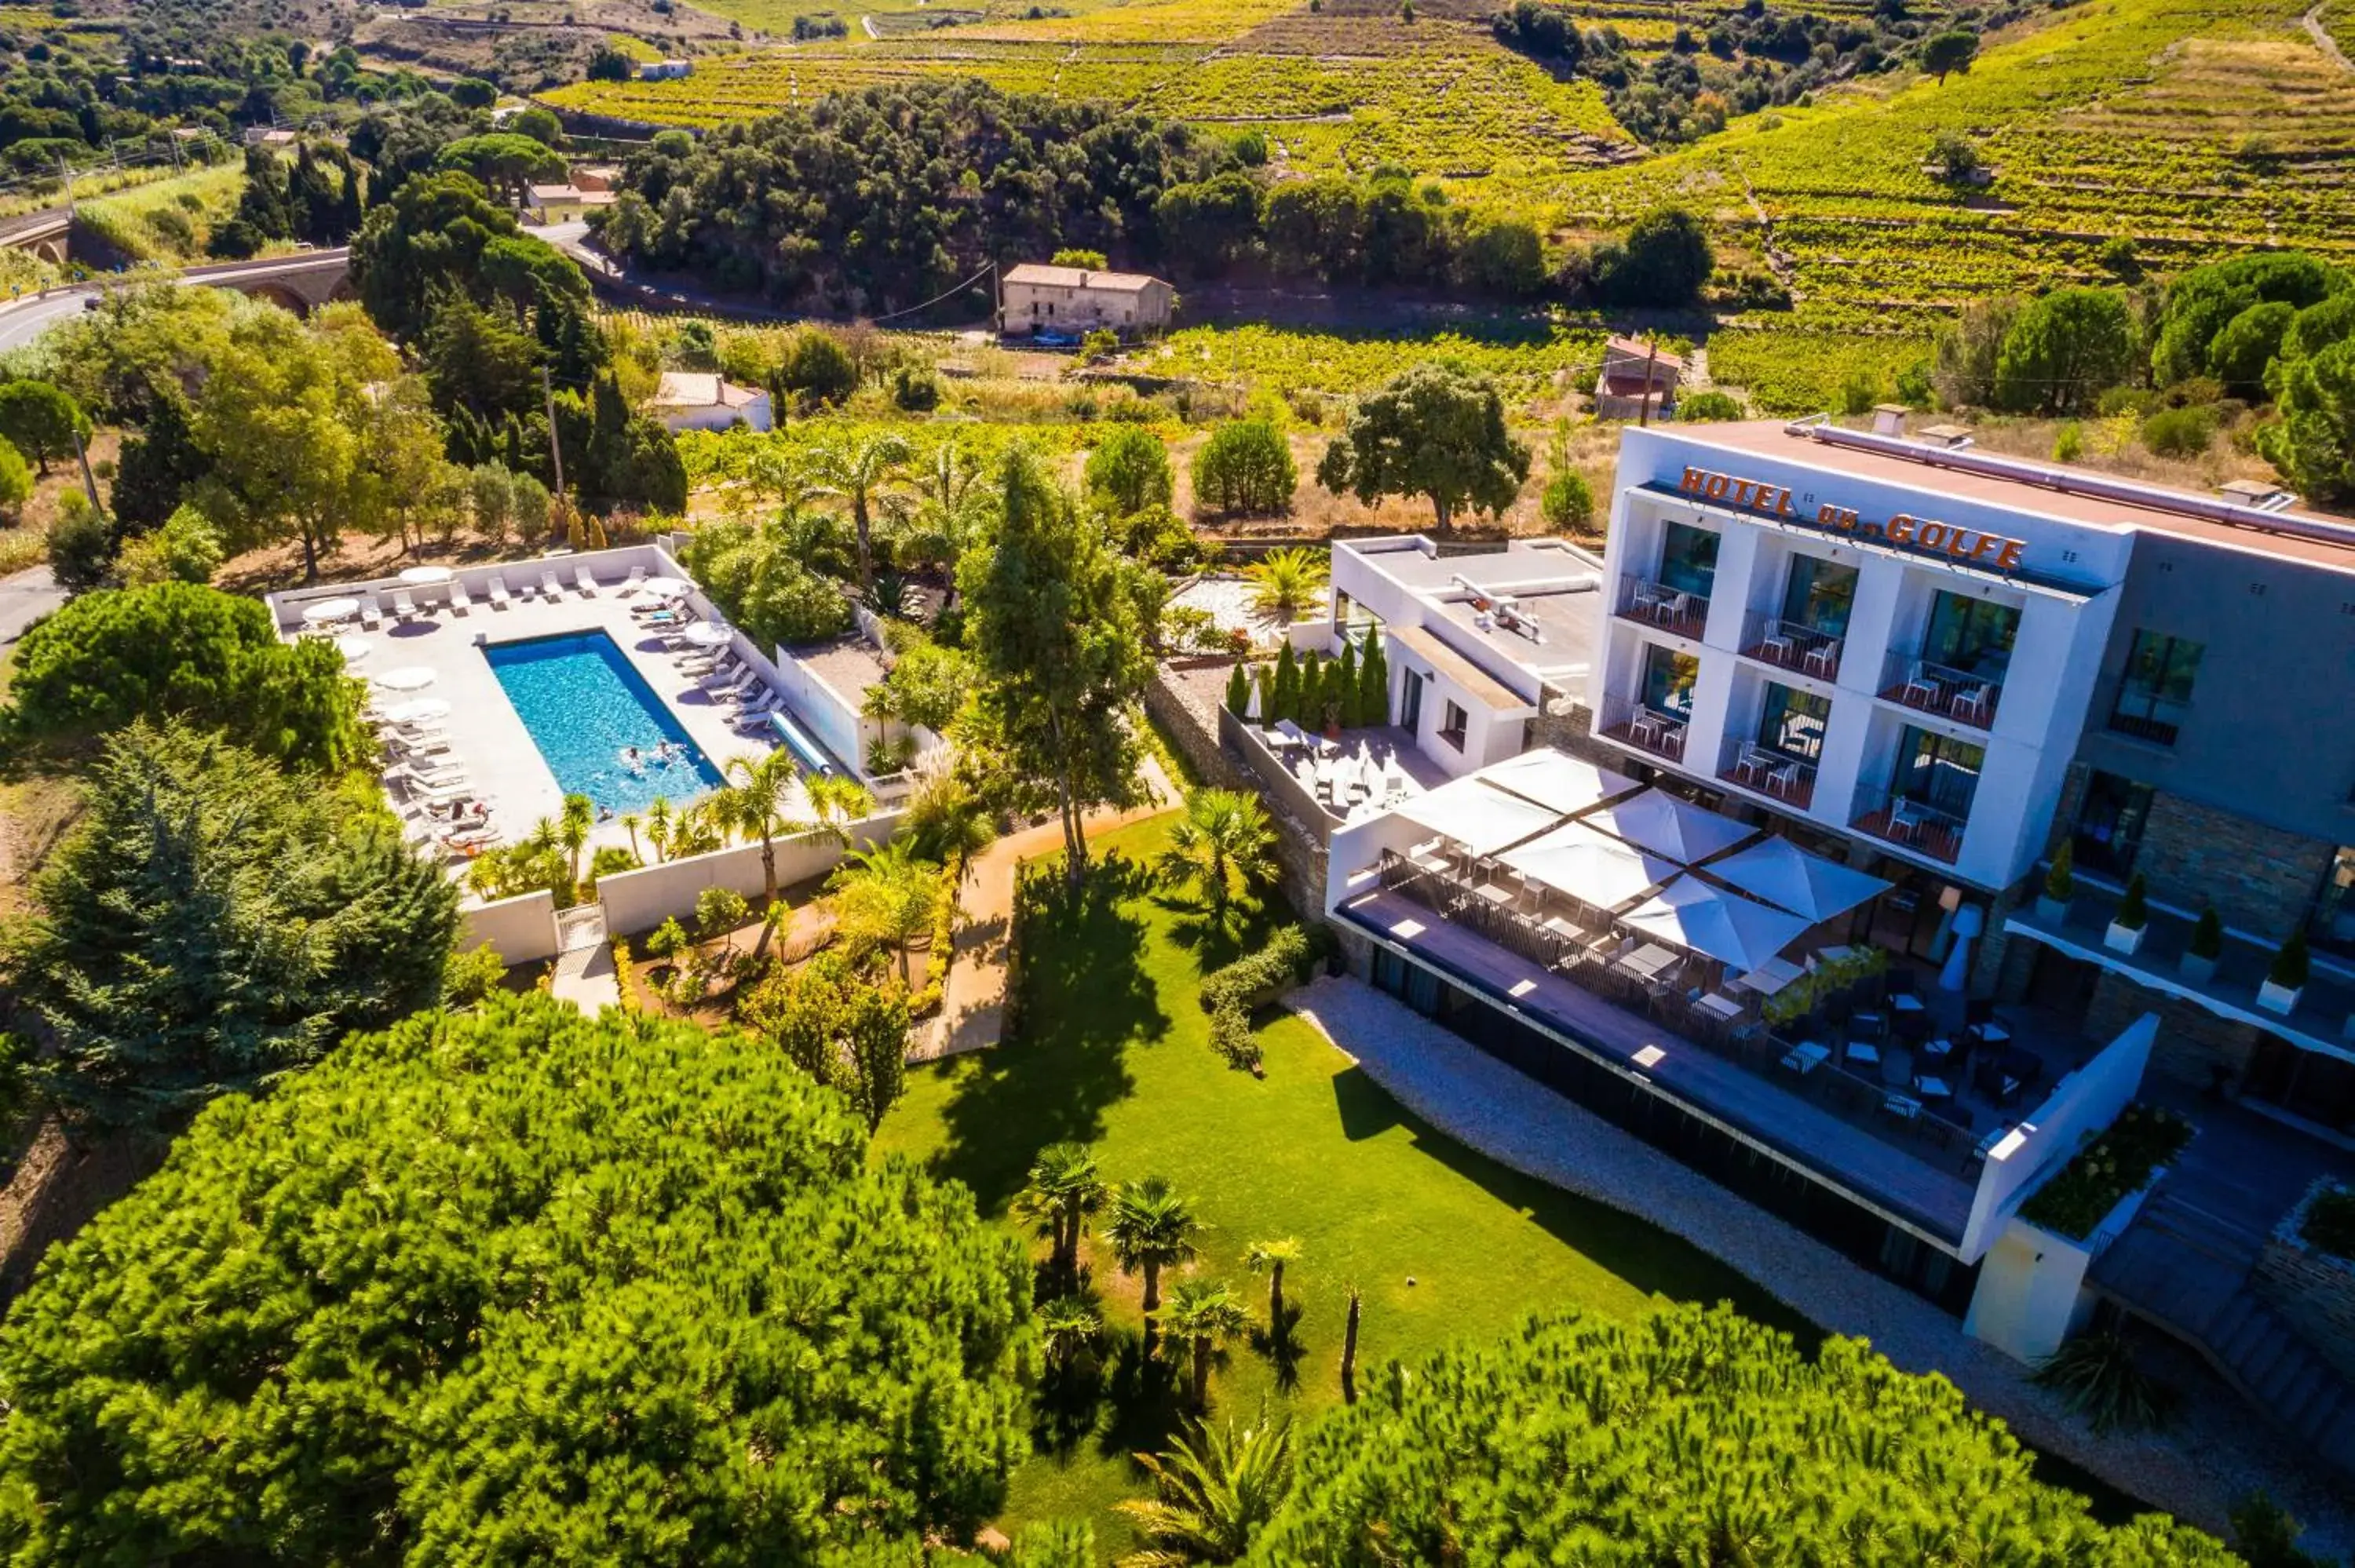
x=1443, y=1243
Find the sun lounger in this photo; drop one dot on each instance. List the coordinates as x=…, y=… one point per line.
x=403, y=606
x=629, y=584
x=499, y=593
x=371, y=617
x=549, y=588
x=459, y=603
x=735, y=690
x=584, y=582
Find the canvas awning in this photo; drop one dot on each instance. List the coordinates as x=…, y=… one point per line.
x=1784, y=874
x=1667, y=826
x=1716, y=923
x=1558, y=781
x=1591, y=867
x=1481, y=818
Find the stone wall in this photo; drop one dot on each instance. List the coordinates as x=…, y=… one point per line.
x=1189, y=717
x=2312, y=1290
x=2192, y=1041
x=2261, y=880
x=1568, y=726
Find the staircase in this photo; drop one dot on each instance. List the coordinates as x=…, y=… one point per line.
x=2187, y=1271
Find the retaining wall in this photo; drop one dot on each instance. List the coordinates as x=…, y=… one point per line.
x=2312, y=1290
x=1193, y=728
x=641, y=900
x=521, y=930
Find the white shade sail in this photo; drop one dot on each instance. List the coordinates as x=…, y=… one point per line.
x=1783, y=873
x=1482, y=819
x=1671, y=827
x=408, y=678
x=1739, y=932
x=1591, y=867
x=1559, y=781
x=330, y=609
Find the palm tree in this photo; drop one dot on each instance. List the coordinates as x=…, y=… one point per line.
x=755, y=806
x=888, y=896
x=1212, y=1491
x=949, y=823
x=1286, y=583
x=863, y=472
x=572, y=832
x=837, y=800
x=1225, y=834
x=1066, y=1326
x=1151, y=1228
x=1065, y=1188
x=950, y=497
x=630, y=821
x=1269, y=1257
x=659, y=814
x=1205, y=1314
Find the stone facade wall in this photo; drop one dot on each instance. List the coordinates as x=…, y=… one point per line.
x=1192, y=722
x=2192, y=1042
x=2313, y=1292
x=1568, y=726
x=2261, y=880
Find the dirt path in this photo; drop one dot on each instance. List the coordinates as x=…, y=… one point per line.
x=2312, y=23
x=973, y=1000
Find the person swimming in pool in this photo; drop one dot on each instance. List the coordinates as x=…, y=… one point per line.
x=632, y=760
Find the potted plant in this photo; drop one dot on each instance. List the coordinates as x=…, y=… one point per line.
x=2059, y=886
x=2287, y=978
x=2131, y=924
x=2206, y=947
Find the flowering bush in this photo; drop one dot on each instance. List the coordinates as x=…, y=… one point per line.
x=2120, y=1162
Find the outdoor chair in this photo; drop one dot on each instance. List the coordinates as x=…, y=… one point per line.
x=371, y=617
x=549, y=588
x=499, y=593
x=1981, y=1024
x=629, y=584
x=459, y=603
x=584, y=582
x=403, y=606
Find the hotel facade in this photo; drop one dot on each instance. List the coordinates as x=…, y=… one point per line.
x=1936, y=668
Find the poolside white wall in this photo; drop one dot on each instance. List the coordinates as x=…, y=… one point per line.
x=832, y=722
x=641, y=900
x=521, y=930
x=608, y=568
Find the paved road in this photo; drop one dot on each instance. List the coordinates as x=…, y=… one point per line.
x=23, y=600
x=22, y=322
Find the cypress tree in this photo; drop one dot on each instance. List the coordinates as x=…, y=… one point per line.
x=1347, y=704
x=1374, y=683
x=1287, y=686
x=1238, y=690
x=1312, y=690
x=1265, y=678
x=1334, y=693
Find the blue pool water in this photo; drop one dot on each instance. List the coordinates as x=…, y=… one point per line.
x=584, y=703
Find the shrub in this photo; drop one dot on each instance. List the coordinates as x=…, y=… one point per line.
x=1567, y=501
x=2207, y=935
x=181, y=650
x=2061, y=880
x=2330, y=1222
x=1698, y=407
x=1281, y=962
x=1245, y=468
x=718, y=909
x=2290, y=963
x=15, y=480
x=814, y=369
x=1232, y=1038
x=519, y=1283
x=1663, y=261
x=1129, y=470
x=2180, y=432
x=185, y=549
x=472, y=974
x=81, y=546
x=2080, y=1195
x=2098, y=1376
x=2134, y=909
x=2068, y=441
x=915, y=388
x=666, y=941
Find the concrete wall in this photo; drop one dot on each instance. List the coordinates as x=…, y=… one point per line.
x=608, y=568
x=641, y=900
x=2079, y=1106
x=828, y=716
x=521, y=930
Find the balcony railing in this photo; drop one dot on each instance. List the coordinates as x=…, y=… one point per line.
x=2154, y=719
x=1644, y=728
x=1768, y=773
x=1931, y=688
x=1656, y=604
x=1898, y=819
x=1788, y=645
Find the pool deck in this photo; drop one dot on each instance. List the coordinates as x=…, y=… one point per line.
x=483, y=729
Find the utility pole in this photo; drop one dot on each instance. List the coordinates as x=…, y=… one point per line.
x=1644, y=407
x=89, y=480
x=555, y=442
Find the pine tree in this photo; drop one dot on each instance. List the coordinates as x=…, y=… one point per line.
x=1238, y=690
x=1348, y=686
x=158, y=465
x=1374, y=683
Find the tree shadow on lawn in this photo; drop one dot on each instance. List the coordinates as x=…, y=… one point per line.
x=1085, y=997
x=1652, y=1259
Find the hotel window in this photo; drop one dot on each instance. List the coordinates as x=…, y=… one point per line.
x=1819, y=596
x=2156, y=687
x=2110, y=823
x=2334, y=906
x=1938, y=770
x=1689, y=559
x=1971, y=635
x=1792, y=723
x=1668, y=678
x=1452, y=725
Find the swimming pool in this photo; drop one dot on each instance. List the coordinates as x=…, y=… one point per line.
x=584, y=704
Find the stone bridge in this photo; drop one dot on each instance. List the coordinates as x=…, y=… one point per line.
x=301, y=282
x=45, y=234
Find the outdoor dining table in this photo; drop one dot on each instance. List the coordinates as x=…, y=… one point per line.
x=1648, y=962
x=1806, y=1056
x=1558, y=926
x=1719, y=1006
x=1426, y=859
x=1768, y=978
x=1495, y=894
x=1933, y=1088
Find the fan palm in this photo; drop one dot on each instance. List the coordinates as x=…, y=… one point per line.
x=863, y=472
x=1286, y=583
x=1151, y=1228
x=1212, y=1491
x=836, y=801
x=888, y=895
x=572, y=832
x=757, y=804
x=951, y=498
x=949, y=823
x=1066, y=1326
x=1064, y=1189
x=1224, y=834
x=1269, y=1257
x=1205, y=1314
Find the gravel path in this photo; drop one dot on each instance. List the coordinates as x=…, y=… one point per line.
x=2215, y=1452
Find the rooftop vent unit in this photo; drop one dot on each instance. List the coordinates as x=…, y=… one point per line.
x=1948, y=438
x=1889, y=419
x=2259, y=493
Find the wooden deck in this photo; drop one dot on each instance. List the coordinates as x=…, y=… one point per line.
x=1878, y=1174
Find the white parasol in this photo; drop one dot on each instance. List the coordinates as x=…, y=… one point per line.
x=705, y=635
x=665, y=587
x=408, y=678
x=422, y=576
x=330, y=609
x=353, y=647
x=419, y=711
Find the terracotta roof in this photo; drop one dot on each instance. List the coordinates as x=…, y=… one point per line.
x=701, y=389
x=1481, y=686
x=1634, y=349
x=1040, y=275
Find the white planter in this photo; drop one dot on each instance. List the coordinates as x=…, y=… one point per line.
x=2052, y=911
x=2278, y=999
x=2125, y=938
x=2196, y=970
